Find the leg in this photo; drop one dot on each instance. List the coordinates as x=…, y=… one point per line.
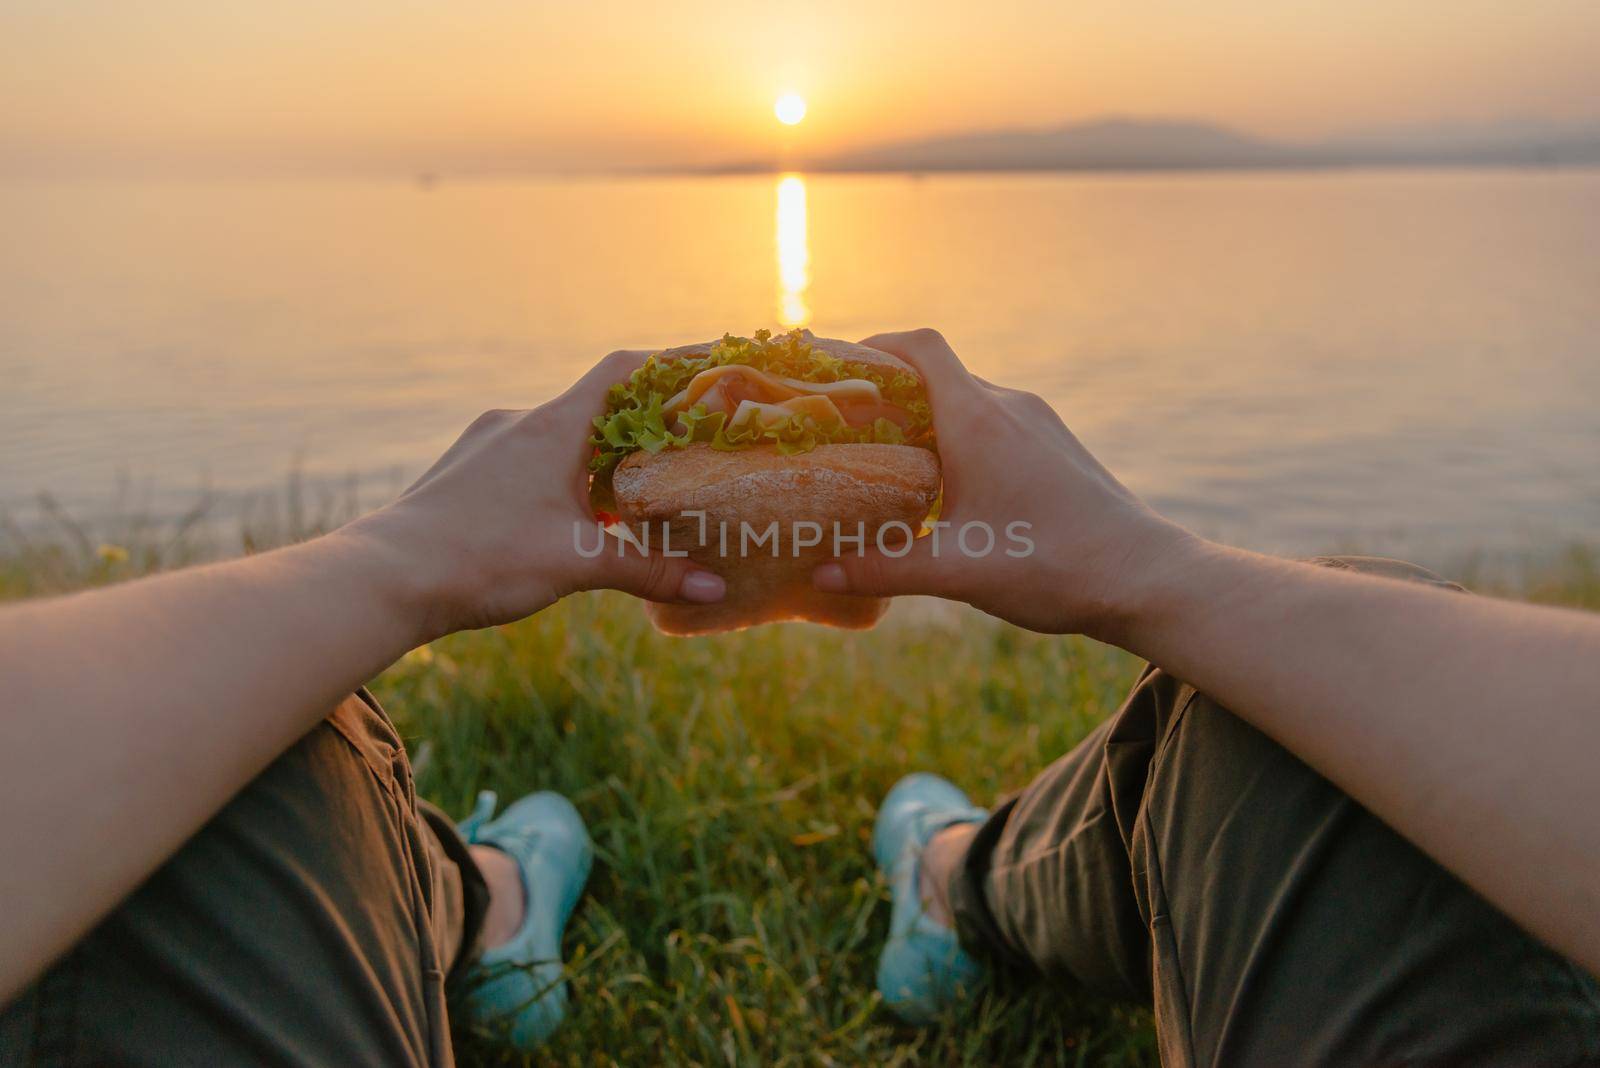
x=1182, y=857
x=312, y=921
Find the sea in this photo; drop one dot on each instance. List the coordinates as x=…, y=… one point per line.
x=1400, y=362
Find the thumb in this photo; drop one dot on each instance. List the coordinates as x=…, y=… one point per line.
x=656, y=577
x=878, y=574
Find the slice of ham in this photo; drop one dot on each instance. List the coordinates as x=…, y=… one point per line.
x=746, y=393
x=730, y=391
x=721, y=389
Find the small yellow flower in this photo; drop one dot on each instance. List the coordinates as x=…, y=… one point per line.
x=111, y=554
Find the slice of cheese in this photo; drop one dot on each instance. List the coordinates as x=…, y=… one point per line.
x=763, y=388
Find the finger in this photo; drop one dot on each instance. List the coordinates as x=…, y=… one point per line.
x=588, y=394
x=573, y=412
x=654, y=576
x=615, y=367
x=929, y=353
x=879, y=574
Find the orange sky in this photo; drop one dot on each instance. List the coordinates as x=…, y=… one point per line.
x=205, y=85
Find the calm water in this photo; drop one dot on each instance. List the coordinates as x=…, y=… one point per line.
x=1397, y=361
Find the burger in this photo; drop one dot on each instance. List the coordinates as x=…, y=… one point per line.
x=761, y=457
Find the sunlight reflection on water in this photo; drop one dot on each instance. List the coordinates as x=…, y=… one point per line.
x=794, y=253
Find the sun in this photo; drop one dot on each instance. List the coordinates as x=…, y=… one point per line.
x=790, y=109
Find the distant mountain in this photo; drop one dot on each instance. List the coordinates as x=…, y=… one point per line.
x=1105, y=143
x=1504, y=143
x=1177, y=144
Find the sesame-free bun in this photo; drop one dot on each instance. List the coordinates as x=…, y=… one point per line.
x=847, y=484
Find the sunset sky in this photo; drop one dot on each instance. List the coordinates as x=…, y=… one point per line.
x=107, y=86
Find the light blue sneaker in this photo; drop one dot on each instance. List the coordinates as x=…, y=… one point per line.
x=923, y=969
x=517, y=988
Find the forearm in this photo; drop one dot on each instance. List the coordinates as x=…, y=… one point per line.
x=132, y=714
x=129, y=716
x=1466, y=723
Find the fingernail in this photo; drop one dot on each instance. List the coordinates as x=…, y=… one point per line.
x=830, y=578
x=702, y=587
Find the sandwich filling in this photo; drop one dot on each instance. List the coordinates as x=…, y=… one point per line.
x=748, y=392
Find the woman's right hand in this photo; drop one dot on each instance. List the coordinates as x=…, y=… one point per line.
x=490, y=533
x=1073, y=549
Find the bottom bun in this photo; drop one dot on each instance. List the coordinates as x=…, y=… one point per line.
x=761, y=509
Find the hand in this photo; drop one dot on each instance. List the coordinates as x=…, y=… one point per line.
x=1010, y=463
x=487, y=535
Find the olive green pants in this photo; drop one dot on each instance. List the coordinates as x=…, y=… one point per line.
x=1180, y=858
x=1177, y=856
x=313, y=921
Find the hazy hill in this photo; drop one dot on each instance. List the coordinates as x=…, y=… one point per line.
x=1120, y=143
x=1176, y=144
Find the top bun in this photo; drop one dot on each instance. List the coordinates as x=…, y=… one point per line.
x=844, y=350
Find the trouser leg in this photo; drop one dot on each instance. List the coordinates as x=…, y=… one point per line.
x=311, y=922
x=1180, y=857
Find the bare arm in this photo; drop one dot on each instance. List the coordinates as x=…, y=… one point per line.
x=129, y=715
x=1470, y=725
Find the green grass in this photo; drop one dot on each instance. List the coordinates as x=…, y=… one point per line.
x=730, y=783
